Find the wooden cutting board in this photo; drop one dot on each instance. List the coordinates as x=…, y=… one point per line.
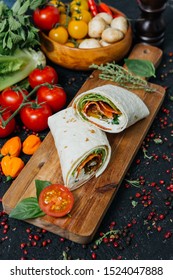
x=92, y=199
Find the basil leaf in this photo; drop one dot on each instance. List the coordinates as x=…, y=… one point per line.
x=28, y=208
x=24, y=7
x=37, y=3
x=141, y=67
x=40, y=185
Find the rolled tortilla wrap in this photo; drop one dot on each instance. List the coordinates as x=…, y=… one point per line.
x=109, y=107
x=83, y=149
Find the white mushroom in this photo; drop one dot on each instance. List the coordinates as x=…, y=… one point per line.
x=103, y=43
x=112, y=35
x=120, y=23
x=89, y=44
x=107, y=18
x=96, y=26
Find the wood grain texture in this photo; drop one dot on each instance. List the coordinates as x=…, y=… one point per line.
x=92, y=199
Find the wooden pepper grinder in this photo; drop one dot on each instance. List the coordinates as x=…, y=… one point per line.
x=150, y=27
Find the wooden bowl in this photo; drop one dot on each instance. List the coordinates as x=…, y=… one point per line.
x=81, y=59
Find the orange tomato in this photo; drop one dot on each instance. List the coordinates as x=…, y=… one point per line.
x=82, y=15
x=77, y=29
x=64, y=19
x=59, y=34
x=60, y=5
x=79, y=4
x=70, y=44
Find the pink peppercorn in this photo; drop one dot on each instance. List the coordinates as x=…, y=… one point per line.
x=167, y=235
x=161, y=217
x=94, y=256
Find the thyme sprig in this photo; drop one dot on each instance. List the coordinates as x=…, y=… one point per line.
x=108, y=233
x=145, y=153
x=116, y=73
x=134, y=183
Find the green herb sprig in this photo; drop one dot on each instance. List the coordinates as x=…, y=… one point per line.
x=134, y=183
x=125, y=77
x=109, y=233
x=16, y=29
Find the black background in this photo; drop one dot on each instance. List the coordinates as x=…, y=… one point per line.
x=138, y=222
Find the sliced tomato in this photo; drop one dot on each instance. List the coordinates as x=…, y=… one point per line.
x=56, y=200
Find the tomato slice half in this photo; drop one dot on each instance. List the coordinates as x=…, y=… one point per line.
x=56, y=200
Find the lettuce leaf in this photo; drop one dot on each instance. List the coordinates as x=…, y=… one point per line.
x=14, y=68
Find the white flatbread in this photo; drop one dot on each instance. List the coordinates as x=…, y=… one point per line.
x=132, y=108
x=75, y=141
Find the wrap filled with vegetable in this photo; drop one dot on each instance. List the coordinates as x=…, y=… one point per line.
x=83, y=149
x=109, y=107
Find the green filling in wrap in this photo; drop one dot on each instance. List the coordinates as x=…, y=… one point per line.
x=96, y=97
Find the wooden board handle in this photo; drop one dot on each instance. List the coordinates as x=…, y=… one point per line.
x=147, y=52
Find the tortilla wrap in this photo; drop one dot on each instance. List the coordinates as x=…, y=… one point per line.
x=109, y=107
x=83, y=149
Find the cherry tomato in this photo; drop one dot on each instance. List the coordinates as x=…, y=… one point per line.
x=78, y=29
x=64, y=19
x=34, y=116
x=60, y=5
x=46, y=75
x=9, y=128
x=54, y=96
x=76, y=5
x=59, y=34
x=56, y=200
x=46, y=18
x=70, y=44
x=82, y=15
x=12, y=98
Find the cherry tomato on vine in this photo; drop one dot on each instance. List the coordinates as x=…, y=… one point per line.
x=54, y=96
x=12, y=98
x=82, y=15
x=59, y=34
x=56, y=200
x=43, y=75
x=76, y=5
x=78, y=29
x=35, y=116
x=9, y=128
x=64, y=19
x=46, y=18
x=60, y=5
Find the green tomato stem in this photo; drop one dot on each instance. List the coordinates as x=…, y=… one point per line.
x=24, y=103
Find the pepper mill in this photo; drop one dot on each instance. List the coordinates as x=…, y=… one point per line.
x=150, y=26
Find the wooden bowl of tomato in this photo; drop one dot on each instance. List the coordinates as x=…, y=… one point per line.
x=81, y=59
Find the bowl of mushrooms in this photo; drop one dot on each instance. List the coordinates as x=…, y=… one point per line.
x=108, y=38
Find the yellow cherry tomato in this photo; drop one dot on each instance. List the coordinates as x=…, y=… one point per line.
x=70, y=44
x=78, y=4
x=60, y=5
x=77, y=29
x=64, y=19
x=78, y=41
x=82, y=15
x=59, y=34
